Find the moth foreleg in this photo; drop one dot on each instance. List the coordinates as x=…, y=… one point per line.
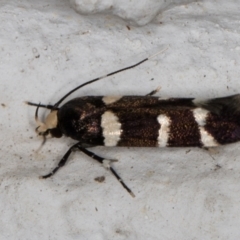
x=62, y=162
x=107, y=164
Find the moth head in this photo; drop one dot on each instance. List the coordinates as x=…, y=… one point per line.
x=48, y=128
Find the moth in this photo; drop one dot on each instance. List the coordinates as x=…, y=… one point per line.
x=139, y=121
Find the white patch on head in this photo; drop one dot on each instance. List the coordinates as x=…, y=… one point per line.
x=111, y=99
x=50, y=122
x=163, y=133
x=41, y=128
x=111, y=129
x=200, y=116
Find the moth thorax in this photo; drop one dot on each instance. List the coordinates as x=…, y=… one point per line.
x=51, y=122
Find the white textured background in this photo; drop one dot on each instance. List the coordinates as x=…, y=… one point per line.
x=47, y=48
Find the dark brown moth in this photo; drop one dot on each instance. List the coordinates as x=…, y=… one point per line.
x=139, y=121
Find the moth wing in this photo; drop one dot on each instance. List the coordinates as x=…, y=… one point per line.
x=230, y=104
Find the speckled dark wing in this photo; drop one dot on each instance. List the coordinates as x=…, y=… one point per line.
x=146, y=121
x=140, y=126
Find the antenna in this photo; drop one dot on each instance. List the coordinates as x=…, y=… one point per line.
x=109, y=74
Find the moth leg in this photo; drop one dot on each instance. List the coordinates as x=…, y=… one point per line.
x=107, y=164
x=154, y=91
x=62, y=162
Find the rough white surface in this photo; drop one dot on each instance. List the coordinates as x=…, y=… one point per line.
x=135, y=11
x=46, y=49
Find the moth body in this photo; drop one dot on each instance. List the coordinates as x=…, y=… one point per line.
x=139, y=121
x=148, y=121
